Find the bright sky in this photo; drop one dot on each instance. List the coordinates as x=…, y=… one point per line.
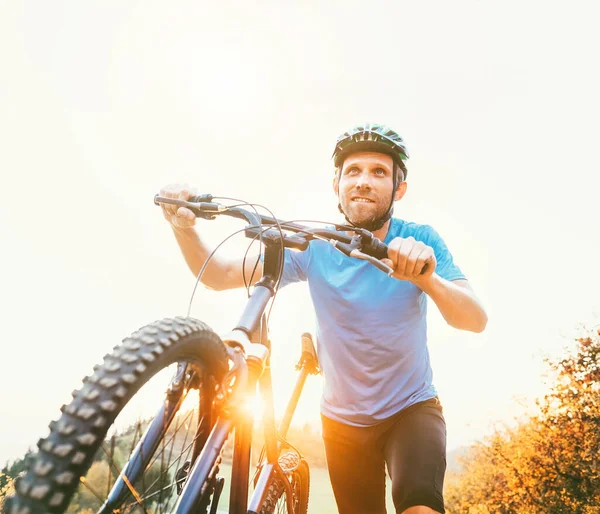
x=102, y=103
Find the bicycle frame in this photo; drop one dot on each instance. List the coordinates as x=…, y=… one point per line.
x=250, y=335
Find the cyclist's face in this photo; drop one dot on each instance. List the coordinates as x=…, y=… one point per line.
x=365, y=186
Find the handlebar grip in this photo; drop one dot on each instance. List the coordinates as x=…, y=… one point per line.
x=206, y=197
x=377, y=249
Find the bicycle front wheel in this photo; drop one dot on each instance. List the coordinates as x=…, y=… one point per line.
x=127, y=440
x=297, y=473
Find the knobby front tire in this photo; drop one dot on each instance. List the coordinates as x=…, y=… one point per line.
x=78, y=439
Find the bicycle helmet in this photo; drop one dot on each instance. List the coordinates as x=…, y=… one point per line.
x=372, y=137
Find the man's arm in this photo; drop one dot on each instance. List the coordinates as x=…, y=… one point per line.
x=415, y=261
x=220, y=273
x=457, y=302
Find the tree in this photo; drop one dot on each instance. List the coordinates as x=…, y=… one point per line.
x=549, y=463
x=7, y=489
x=18, y=466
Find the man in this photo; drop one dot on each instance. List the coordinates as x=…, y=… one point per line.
x=379, y=405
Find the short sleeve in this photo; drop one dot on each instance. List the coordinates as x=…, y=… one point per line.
x=446, y=268
x=295, y=266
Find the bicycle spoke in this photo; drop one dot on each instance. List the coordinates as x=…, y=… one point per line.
x=143, y=474
x=91, y=489
x=138, y=430
x=140, y=499
x=111, y=461
x=136, y=495
x=162, y=460
x=170, y=458
x=172, y=483
x=186, y=450
x=156, y=456
x=177, y=462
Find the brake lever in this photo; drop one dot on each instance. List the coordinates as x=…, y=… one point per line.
x=347, y=249
x=375, y=262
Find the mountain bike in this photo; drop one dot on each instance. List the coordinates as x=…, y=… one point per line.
x=102, y=457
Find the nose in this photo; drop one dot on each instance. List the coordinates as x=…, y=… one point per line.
x=363, y=181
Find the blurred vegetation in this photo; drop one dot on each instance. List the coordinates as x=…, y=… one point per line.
x=550, y=462
x=7, y=488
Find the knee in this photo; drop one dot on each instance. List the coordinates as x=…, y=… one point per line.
x=417, y=500
x=420, y=509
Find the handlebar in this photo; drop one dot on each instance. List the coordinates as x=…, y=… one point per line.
x=363, y=245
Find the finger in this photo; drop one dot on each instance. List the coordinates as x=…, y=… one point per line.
x=186, y=214
x=393, y=248
x=184, y=192
x=388, y=262
x=403, y=253
x=169, y=191
x=182, y=222
x=179, y=192
x=430, y=265
x=413, y=257
x=166, y=208
x=421, y=261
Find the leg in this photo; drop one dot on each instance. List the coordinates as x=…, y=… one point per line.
x=421, y=509
x=356, y=468
x=415, y=453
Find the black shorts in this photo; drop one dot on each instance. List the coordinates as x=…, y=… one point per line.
x=413, y=445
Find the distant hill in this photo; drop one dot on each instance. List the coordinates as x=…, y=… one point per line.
x=452, y=457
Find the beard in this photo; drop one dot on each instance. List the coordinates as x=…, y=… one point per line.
x=364, y=215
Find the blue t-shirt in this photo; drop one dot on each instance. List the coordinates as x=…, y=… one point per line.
x=371, y=329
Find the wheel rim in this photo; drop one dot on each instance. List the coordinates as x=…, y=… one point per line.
x=156, y=489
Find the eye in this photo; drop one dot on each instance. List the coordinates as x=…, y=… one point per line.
x=351, y=171
x=380, y=172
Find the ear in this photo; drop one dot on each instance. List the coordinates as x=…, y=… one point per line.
x=336, y=184
x=401, y=191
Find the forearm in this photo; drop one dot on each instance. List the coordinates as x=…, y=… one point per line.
x=458, y=304
x=196, y=252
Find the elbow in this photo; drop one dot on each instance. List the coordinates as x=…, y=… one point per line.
x=475, y=324
x=214, y=285
x=479, y=323
x=215, y=282
x=480, y=327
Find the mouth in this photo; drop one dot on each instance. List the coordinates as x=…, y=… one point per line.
x=361, y=199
